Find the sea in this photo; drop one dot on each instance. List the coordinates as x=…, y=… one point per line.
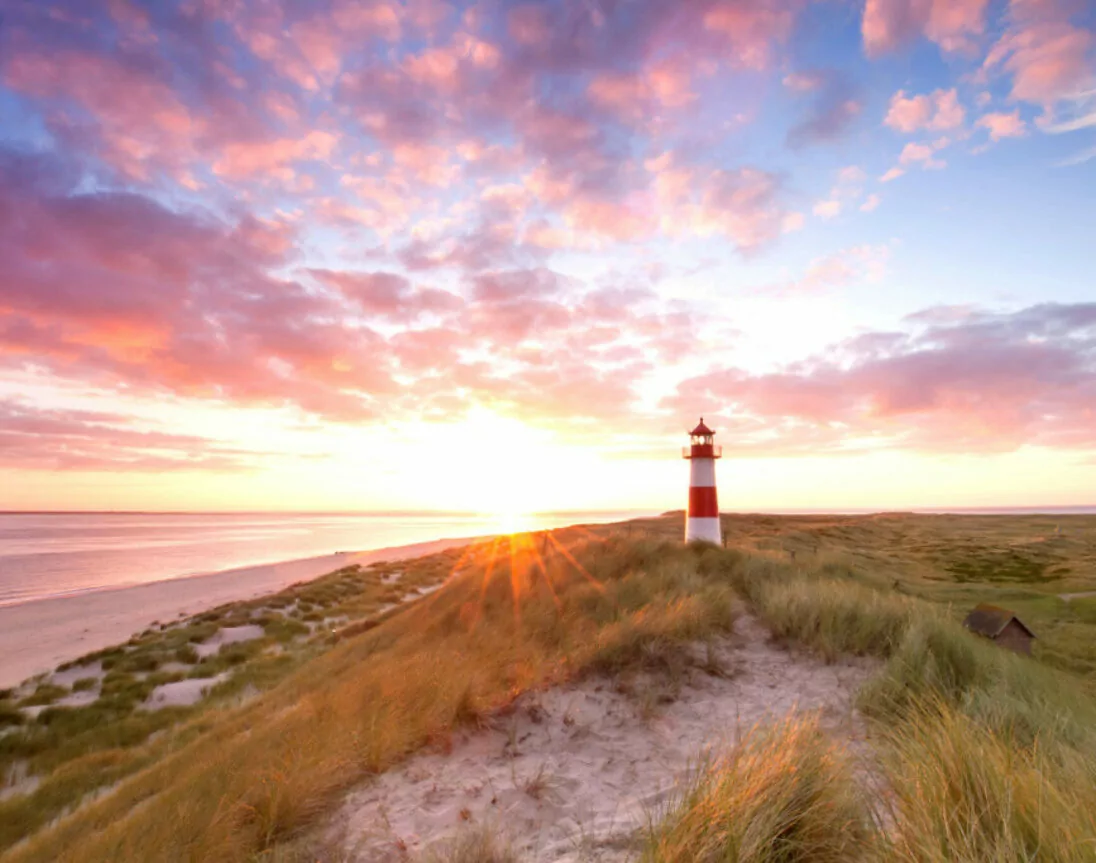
x=54, y=554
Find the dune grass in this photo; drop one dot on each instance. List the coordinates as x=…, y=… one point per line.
x=963, y=793
x=73, y=751
x=783, y=794
x=517, y=618
x=476, y=845
x=988, y=756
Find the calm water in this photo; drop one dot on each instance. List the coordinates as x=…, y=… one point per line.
x=52, y=554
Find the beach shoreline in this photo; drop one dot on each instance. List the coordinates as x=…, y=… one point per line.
x=38, y=635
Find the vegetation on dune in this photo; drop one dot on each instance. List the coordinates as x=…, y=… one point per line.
x=783, y=794
x=518, y=618
x=477, y=845
x=963, y=793
x=980, y=754
x=79, y=749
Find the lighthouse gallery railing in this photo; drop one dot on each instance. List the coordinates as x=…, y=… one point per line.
x=701, y=450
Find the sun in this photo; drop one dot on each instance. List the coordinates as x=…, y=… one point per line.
x=513, y=521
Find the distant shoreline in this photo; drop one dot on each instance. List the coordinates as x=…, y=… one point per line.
x=38, y=635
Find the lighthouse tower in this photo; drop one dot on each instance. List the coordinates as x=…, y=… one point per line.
x=702, y=519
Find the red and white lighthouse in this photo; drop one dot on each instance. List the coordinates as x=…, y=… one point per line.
x=702, y=519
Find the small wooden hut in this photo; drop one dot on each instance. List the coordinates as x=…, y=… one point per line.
x=1001, y=626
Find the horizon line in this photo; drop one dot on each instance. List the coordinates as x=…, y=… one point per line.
x=928, y=510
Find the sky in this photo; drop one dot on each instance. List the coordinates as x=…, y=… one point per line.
x=499, y=256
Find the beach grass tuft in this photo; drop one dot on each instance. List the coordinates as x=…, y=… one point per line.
x=962, y=792
x=476, y=845
x=784, y=794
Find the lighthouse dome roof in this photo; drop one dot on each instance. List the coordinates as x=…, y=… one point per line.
x=701, y=429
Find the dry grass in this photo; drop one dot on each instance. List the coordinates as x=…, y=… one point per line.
x=991, y=755
x=259, y=774
x=784, y=794
x=962, y=793
x=477, y=845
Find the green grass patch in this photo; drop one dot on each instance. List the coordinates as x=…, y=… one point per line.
x=45, y=693
x=10, y=715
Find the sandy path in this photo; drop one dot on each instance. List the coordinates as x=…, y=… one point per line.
x=38, y=636
x=573, y=772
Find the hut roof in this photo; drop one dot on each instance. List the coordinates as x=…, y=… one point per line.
x=991, y=620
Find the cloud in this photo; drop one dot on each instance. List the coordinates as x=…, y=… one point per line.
x=863, y=263
x=978, y=382
x=831, y=115
x=388, y=295
x=938, y=111
x=117, y=288
x=1001, y=125
x=804, y=82
x=1048, y=56
x=243, y=160
x=918, y=154
x=954, y=25
x=870, y=203
x=54, y=439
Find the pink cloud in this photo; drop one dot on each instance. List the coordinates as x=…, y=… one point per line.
x=939, y=110
x=54, y=439
x=1001, y=125
x=954, y=25
x=834, y=109
x=117, y=289
x=750, y=29
x=920, y=154
x=528, y=24
x=634, y=95
x=275, y=158
x=1047, y=55
x=140, y=120
x=803, y=82
x=388, y=295
x=864, y=263
x=979, y=383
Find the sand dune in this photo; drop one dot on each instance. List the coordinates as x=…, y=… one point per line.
x=574, y=771
x=35, y=637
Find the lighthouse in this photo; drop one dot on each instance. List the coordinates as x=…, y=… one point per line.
x=702, y=519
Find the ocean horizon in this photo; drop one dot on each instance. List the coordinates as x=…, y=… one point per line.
x=47, y=554
x=50, y=554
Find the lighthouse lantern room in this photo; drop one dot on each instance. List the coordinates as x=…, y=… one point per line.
x=702, y=518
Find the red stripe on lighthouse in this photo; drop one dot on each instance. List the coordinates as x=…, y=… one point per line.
x=702, y=502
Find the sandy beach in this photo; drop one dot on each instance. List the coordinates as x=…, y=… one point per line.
x=36, y=637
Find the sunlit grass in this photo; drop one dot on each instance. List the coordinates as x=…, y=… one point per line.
x=262, y=772
x=991, y=754
x=784, y=794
